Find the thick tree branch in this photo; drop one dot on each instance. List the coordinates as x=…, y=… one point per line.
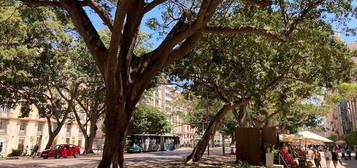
x=184, y=48
x=131, y=28
x=88, y=32
x=84, y=131
x=269, y=116
x=166, y=52
x=245, y=29
x=152, y=5
x=115, y=41
x=49, y=123
x=104, y=15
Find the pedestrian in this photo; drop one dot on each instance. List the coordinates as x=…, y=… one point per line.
x=328, y=157
x=24, y=152
x=349, y=152
x=34, y=150
x=343, y=151
x=317, y=158
x=334, y=156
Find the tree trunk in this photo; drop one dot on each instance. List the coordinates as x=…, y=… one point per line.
x=52, y=134
x=51, y=138
x=88, y=145
x=223, y=147
x=113, y=145
x=89, y=140
x=198, y=151
x=117, y=116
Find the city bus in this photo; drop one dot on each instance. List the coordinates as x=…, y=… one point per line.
x=136, y=143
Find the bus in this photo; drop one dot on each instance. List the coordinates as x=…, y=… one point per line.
x=136, y=143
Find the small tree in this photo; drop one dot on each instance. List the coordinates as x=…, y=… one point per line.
x=149, y=120
x=351, y=138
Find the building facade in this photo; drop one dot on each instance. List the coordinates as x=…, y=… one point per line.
x=163, y=97
x=343, y=118
x=23, y=133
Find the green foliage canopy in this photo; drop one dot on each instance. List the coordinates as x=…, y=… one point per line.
x=149, y=120
x=351, y=138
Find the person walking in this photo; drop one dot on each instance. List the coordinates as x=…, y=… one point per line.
x=343, y=152
x=349, y=153
x=334, y=156
x=34, y=150
x=328, y=157
x=317, y=158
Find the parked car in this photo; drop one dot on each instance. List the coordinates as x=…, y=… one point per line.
x=63, y=150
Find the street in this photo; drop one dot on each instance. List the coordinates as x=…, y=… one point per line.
x=150, y=159
x=132, y=160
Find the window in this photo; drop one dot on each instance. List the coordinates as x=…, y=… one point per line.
x=3, y=124
x=80, y=142
x=69, y=129
x=20, y=145
x=80, y=134
x=40, y=127
x=169, y=95
x=39, y=140
x=157, y=102
x=23, y=125
x=4, y=109
x=67, y=140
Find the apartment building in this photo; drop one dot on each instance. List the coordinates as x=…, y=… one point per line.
x=343, y=118
x=23, y=133
x=163, y=97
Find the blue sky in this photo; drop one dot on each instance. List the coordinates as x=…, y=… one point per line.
x=156, y=13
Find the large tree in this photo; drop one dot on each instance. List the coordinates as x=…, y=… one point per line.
x=127, y=74
x=248, y=68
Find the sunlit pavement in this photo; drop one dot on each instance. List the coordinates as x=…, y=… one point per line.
x=132, y=160
x=345, y=163
x=150, y=159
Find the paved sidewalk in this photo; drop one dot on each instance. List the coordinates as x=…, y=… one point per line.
x=142, y=160
x=345, y=163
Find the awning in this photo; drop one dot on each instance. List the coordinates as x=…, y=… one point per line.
x=305, y=137
x=312, y=137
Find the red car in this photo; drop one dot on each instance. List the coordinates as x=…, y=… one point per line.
x=62, y=150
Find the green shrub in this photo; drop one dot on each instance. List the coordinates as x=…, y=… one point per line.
x=243, y=164
x=15, y=152
x=351, y=138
